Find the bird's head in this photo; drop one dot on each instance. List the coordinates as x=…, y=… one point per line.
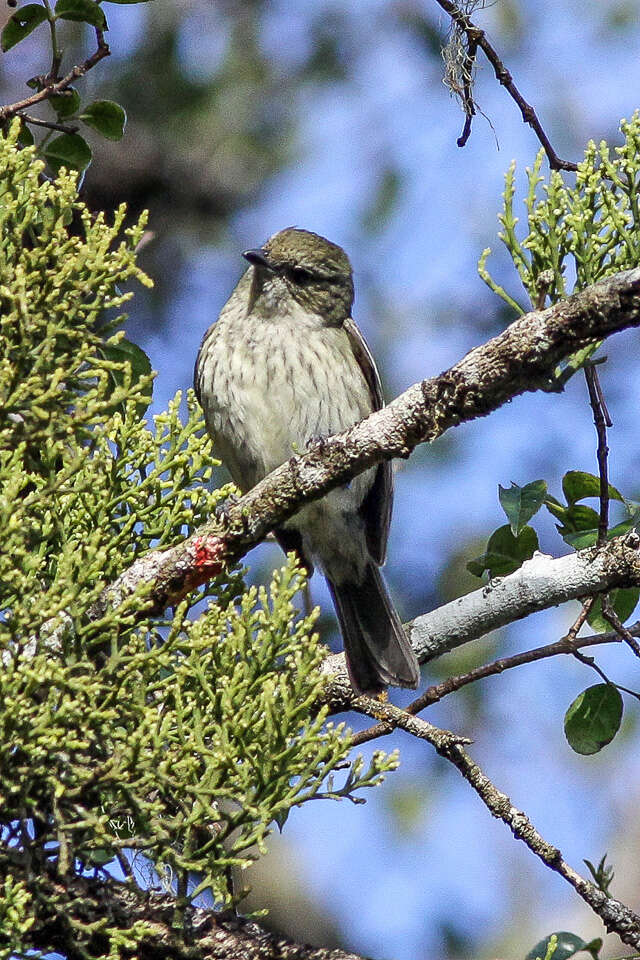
x=312, y=270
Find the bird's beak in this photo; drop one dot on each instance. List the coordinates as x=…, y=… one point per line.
x=258, y=258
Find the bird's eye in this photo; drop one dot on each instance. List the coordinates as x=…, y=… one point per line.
x=299, y=275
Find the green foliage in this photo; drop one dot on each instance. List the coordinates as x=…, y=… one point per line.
x=594, y=718
x=107, y=117
x=21, y=23
x=603, y=874
x=562, y=945
x=16, y=918
x=174, y=743
x=82, y=11
x=623, y=602
x=70, y=149
x=586, y=232
x=576, y=234
x=505, y=553
x=510, y=545
x=521, y=503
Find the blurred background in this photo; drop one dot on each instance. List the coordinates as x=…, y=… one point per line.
x=248, y=116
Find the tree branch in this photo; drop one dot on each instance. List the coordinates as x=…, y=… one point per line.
x=476, y=38
x=82, y=902
x=59, y=86
x=615, y=915
x=519, y=359
x=538, y=584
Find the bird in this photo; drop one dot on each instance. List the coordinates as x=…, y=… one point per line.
x=283, y=366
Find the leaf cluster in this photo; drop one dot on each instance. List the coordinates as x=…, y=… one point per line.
x=69, y=149
x=576, y=234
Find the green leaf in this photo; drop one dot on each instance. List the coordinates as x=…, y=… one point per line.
x=623, y=601
x=68, y=150
x=568, y=944
x=582, y=539
x=25, y=137
x=521, y=503
x=66, y=104
x=130, y=353
x=576, y=485
x=82, y=11
x=107, y=117
x=21, y=24
x=586, y=538
x=593, y=719
x=555, y=507
x=505, y=553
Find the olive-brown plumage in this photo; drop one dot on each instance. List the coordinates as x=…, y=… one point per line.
x=283, y=365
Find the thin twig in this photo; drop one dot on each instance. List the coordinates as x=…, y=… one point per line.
x=435, y=693
x=51, y=89
x=50, y=124
x=611, y=617
x=615, y=915
x=477, y=38
x=602, y=420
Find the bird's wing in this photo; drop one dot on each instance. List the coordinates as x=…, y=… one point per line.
x=376, y=506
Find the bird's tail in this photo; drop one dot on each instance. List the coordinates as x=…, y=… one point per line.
x=376, y=647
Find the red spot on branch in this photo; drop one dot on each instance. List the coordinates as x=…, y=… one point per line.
x=209, y=554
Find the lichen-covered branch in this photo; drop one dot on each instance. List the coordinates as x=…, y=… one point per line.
x=147, y=922
x=477, y=39
x=538, y=584
x=520, y=359
x=616, y=916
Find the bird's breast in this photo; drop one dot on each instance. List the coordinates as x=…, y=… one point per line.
x=269, y=386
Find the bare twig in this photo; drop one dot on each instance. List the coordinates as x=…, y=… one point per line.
x=602, y=420
x=59, y=86
x=50, y=124
x=615, y=915
x=476, y=38
x=611, y=617
x=433, y=694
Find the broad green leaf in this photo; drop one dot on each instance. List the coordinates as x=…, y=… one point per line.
x=555, y=507
x=623, y=601
x=521, y=503
x=594, y=718
x=582, y=539
x=66, y=104
x=107, y=117
x=567, y=945
x=68, y=150
x=21, y=24
x=82, y=11
x=587, y=538
x=25, y=137
x=127, y=352
x=505, y=553
x=576, y=485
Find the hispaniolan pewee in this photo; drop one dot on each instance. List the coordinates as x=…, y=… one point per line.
x=285, y=364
